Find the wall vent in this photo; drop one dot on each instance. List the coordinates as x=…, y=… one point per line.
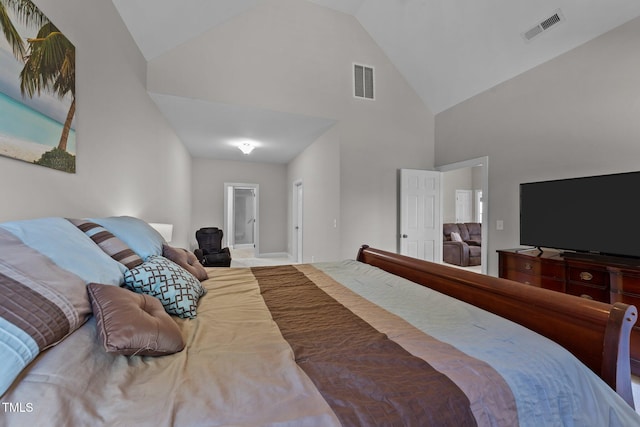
x=543, y=26
x=363, y=81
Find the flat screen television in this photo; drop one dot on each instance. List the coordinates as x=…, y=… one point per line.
x=596, y=214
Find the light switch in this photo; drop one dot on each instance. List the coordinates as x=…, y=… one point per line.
x=499, y=224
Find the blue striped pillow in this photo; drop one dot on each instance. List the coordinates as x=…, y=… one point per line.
x=40, y=305
x=135, y=233
x=109, y=243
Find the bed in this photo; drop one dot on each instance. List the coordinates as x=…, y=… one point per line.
x=378, y=340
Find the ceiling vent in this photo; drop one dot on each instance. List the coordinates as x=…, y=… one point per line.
x=543, y=26
x=363, y=81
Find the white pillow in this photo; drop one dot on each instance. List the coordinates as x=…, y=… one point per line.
x=455, y=237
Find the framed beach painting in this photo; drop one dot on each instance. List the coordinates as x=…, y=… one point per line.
x=37, y=88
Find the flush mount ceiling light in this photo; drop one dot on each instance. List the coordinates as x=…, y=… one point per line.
x=246, y=147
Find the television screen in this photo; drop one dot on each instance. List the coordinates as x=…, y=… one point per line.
x=597, y=214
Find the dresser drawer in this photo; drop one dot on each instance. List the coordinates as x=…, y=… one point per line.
x=555, y=270
x=589, y=276
x=527, y=265
x=519, y=276
x=557, y=285
x=625, y=286
x=631, y=289
x=597, y=293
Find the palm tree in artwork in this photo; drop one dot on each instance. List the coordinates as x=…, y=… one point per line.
x=49, y=59
x=50, y=65
x=10, y=33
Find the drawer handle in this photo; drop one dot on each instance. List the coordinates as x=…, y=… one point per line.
x=528, y=266
x=586, y=276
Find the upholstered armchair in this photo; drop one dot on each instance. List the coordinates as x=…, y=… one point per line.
x=210, y=252
x=462, y=244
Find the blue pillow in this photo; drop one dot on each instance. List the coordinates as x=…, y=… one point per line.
x=69, y=248
x=17, y=350
x=176, y=288
x=143, y=239
x=40, y=305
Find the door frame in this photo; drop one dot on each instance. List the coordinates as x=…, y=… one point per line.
x=298, y=221
x=229, y=213
x=484, y=163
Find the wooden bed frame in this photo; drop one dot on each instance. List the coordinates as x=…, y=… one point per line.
x=596, y=333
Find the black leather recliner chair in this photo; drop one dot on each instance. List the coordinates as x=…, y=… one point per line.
x=210, y=252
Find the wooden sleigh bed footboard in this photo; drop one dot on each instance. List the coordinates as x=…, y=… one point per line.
x=596, y=333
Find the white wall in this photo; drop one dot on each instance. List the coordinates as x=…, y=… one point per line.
x=128, y=160
x=459, y=179
x=319, y=170
x=294, y=56
x=209, y=176
x=575, y=115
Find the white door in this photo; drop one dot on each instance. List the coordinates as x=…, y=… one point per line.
x=420, y=222
x=464, y=206
x=242, y=217
x=297, y=222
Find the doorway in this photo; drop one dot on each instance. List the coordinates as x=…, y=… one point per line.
x=241, y=216
x=482, y=209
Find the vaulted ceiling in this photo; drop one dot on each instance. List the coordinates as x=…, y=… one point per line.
x=447, y=50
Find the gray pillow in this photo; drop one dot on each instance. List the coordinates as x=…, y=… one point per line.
x=133, y=324
x=186, y=260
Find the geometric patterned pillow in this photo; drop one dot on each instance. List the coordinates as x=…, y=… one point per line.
x=176, y=288
x=109, y=243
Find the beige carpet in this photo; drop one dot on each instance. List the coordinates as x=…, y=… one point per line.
x=246, y=258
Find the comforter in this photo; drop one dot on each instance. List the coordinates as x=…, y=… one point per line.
x=319, y=345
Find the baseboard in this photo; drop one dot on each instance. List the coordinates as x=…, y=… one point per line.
x=275, y=255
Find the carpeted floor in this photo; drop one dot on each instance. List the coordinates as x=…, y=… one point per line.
x=246, y=258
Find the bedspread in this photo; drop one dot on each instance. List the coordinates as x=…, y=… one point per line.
x=236, y=369
x=367, y=378
x=244, y=365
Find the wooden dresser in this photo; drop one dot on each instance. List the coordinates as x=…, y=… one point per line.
x=606, y=279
